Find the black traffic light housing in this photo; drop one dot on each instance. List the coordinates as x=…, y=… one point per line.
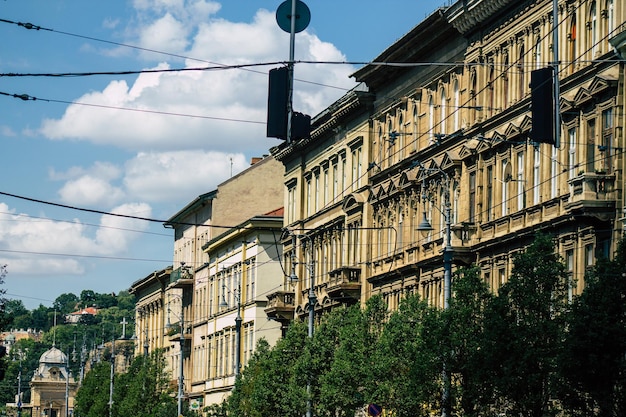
x=542, y=106
x=277, y=109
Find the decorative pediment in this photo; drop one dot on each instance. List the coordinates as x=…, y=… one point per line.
x=391, y=187
x=526, y=123
x=600, y=84
x=450, y=160
x=582, y=96
x=512, y=131
x=408, y=177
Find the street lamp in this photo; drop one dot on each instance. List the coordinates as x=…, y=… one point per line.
x=238, y=319
x=425, y=226
x=182, y=347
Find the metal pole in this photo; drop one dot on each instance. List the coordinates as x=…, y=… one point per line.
x=238, y=320
x=19, y=388
x=290, y=64
x=447, y=280
x=557, y=92
x=111, y=379
x=312, y=302
x=182, y=359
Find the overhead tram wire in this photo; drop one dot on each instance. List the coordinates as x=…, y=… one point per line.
x=26, y=97
x=126, y=216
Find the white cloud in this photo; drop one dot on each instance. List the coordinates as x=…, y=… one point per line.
x=229, y=105
x=42, y=246
x=179, y=175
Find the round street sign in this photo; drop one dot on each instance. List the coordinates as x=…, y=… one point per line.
x=374, y=410
x=283, y=16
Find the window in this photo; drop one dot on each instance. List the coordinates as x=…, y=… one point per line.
x=344, y=174
x=317, y=191
x=505, y=82
x=589, y=255
x=569, y=264
x=571, y=152
x=309, y=209
x=521, y=197
x=536, y=175
x=491, y=90
x=443, y=112
x=400, y=138
x=457, y=105
x=415, y=132
x=431, y=121
x=554, y=172
x=291, y=203
x=505, y=190
x=609, y=14
x=538, y=62
x=326, y=199
x=607, y=140
x=593, y=29
x=591, y=145
x=391, y=141
x=489, y=191
x=472, y=196
x=572, y=44
x=335, y=181
x=522, y=77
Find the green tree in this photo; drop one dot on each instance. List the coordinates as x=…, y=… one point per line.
x=343, y=339
x=92, y=398
x=87, y=298
x=17, y=316
x=408, y=361
x=65, y=303
x=464, y=325
x=144, y=390
x=524, y=331
x=271, y=385
x=593, y=364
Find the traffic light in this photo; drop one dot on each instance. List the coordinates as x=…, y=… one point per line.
x=277, y=109
x=542, y=105
x=277, y=101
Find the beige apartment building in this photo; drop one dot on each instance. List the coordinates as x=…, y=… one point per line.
x=443, y=138
x=166, y=317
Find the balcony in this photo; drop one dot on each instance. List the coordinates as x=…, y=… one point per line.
x=593, y=194
x=344, y=283
x=280, y=306
x=181, y=277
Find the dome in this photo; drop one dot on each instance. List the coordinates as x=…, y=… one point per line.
x=53, y=355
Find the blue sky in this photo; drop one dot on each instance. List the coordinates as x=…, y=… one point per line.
x=102, y=157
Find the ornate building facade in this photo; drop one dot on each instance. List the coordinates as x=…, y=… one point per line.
x=440, y=135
